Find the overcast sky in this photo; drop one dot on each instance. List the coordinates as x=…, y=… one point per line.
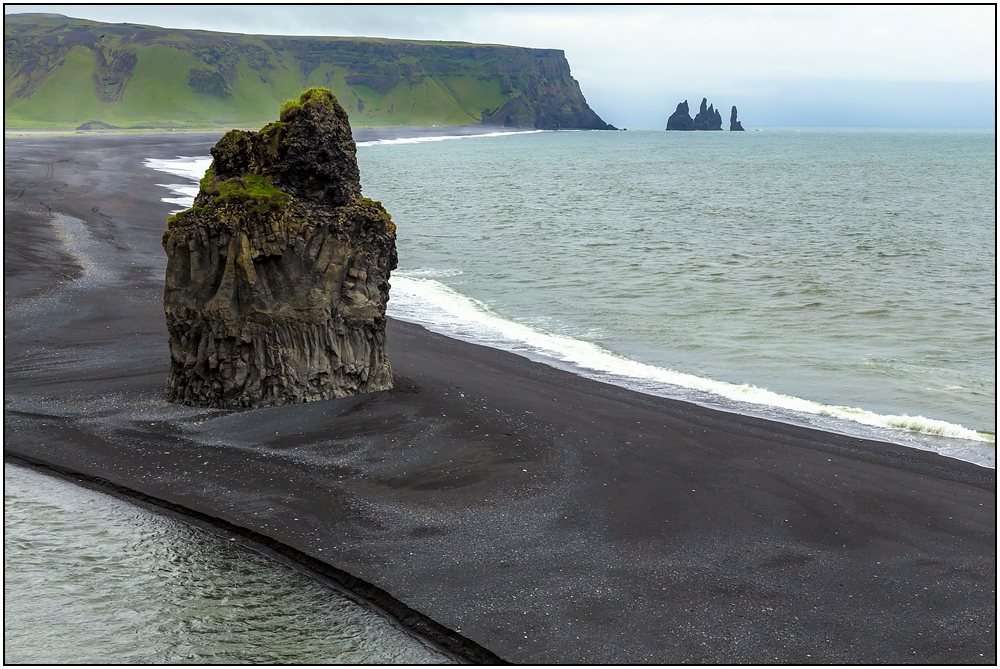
x=781, y=65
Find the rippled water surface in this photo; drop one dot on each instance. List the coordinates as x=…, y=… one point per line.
x=91, y=579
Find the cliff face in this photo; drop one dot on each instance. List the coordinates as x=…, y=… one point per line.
x=545, y=96
x=222, y=79
x=277, y=278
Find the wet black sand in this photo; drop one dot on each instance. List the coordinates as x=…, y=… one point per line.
x=549, y=518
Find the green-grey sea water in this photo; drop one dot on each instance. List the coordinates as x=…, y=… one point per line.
x=90, y=579
x=841, y=278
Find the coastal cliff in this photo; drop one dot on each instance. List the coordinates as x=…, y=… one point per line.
x=61, y=72
x=277, y=278
x=707, y=118
x=548, y=96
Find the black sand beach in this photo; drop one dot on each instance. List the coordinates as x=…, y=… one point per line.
x=546, y=517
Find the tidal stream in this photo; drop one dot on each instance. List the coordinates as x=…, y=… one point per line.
x=93, y=579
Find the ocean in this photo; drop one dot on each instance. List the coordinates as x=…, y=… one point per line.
x=843, y=279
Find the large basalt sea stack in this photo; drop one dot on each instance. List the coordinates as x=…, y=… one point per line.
x=278, y=276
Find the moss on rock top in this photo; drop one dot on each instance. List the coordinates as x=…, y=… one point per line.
x=314, y=95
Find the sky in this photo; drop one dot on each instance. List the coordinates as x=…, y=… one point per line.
x=839, y=65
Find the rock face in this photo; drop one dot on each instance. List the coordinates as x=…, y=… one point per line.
x=681, y=118
x=708, y=118
x=278, y=277
x=733, y=123
x=543, y=95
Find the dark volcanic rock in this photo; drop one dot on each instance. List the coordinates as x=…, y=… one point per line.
x=543, y=95
x=681, y=118
x=708, y=118
x=278, y=277
x=733, y=123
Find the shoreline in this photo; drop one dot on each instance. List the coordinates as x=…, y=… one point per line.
x=533, y=508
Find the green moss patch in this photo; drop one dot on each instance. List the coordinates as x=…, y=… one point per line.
x=314, y=95
x=179, y=217
x=251, y=189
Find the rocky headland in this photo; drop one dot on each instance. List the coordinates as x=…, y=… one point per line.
x=227, y=80
x=277, y=278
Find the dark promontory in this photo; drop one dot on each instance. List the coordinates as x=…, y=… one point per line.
x=278, y=277
x=734, y=125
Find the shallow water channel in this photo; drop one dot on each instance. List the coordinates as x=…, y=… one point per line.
x=92, y=579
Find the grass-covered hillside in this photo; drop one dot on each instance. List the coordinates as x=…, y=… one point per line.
x=60, y=73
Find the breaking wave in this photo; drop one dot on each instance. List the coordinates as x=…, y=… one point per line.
x=419, y=299
x=442, y=138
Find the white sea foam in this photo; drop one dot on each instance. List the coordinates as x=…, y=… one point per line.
x=193, y=167
x=442, y=138
x=189, y=167
x=431, y=303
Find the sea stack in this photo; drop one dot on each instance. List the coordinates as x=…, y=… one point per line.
x=708, y=118
x=681, y=118
x=734, y=125
x=277, y=278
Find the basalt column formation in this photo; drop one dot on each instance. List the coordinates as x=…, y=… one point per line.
x=278, y=277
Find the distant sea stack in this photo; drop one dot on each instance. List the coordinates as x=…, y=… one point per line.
x=734, y=125
x=227, y=80
x=708, y=118
x=277, y=278
x=681, y=118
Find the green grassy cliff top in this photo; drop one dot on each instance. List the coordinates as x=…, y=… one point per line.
x=61, y=72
